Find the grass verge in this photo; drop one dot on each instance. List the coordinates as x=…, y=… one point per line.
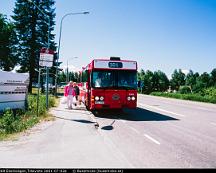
x=193, y=97
x=16, y=121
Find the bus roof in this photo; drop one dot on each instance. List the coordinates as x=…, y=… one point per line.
x=112, y=64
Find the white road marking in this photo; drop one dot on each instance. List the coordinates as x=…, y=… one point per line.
x=163, y=110
x=152, y=139
x=135, y=130
x=213, y=124
x=205, y=109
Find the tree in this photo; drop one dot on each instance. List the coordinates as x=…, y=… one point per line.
x=148, y=82
x=203, y=81
x=8, y=40
x=178, y=79
x=190, y=80
x=62, y=77
x=213, y=77
x=160, y=81
x=71, y=76
x=140, y=75
x=76, y=76
x=32, y=31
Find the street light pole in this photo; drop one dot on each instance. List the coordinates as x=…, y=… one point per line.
x=59, y=44
x=48, y=45
x=67, y=73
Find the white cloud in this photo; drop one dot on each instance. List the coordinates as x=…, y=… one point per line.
x=185, y=71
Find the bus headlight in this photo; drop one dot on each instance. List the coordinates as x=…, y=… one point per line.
x=96, y=98
x=133, y=98
x=101, y=98
x=128, y=98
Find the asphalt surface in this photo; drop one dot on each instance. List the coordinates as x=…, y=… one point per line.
x=164, y=133
x=160, y=133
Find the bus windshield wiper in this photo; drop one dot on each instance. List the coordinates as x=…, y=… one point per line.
x=126, y=87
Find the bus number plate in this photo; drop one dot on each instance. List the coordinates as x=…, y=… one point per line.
x=99, y=102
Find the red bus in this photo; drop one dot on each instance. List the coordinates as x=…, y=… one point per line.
x=109, y=84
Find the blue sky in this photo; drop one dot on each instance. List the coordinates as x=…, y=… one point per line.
x=159, y=34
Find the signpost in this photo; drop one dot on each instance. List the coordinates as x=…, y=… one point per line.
x=46, y=60
x=46, y=57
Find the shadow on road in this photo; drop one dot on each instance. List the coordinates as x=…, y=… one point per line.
x=80, y=111
x=138, y=114
x=109, y=127
x=83, y=121
x=76, y=120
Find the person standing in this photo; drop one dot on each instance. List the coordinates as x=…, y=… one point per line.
x=69, y=92
x=77, y=91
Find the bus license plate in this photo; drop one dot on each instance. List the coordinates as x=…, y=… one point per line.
x=99, y=102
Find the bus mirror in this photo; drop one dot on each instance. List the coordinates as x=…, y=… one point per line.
x=139, y=84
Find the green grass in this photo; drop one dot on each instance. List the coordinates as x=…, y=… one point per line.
x=193, y=97
x=16, y=121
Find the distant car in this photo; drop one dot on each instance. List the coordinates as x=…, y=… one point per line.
x=51, y=88
x=49, y=85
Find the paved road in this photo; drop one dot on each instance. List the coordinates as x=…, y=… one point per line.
x=71, y=141
x=164, y=133
x=160, y=133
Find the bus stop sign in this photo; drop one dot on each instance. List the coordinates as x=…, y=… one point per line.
x=46, y=57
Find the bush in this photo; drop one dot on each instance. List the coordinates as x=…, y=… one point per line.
x=17, y=120
x=10, y=122
x=184, y=90
x=210, y=92
x=32, y=104
x=6, y=121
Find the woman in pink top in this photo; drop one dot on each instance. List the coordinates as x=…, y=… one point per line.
x=69, y=92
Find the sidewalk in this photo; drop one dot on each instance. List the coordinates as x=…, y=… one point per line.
x=71, y=141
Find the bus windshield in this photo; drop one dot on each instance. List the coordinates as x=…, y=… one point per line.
x=102, y=79
x=114, y=79
x=127, y=79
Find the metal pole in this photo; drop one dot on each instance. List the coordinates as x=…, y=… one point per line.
x=47, y=69
x=47, y=92
x=38, y=92
x=59, y=44
x=67, y=73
